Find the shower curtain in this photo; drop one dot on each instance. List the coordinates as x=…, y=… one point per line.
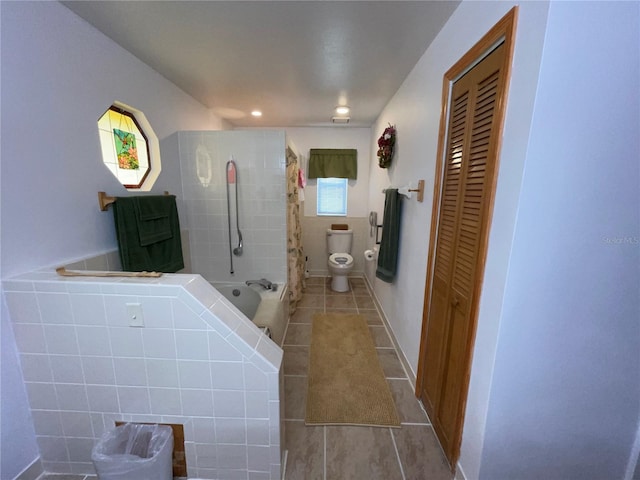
x=295, y=254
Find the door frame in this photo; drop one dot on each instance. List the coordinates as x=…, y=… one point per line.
x=502, y=32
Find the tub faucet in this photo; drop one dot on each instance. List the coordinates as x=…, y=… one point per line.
x=264, y=283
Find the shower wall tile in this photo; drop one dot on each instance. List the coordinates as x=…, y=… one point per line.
x=36, y=368
x=72, y=398
x=221, y=350
x=198, y=403
x=103, y=398
x=76, y=424
x=42, y=396
x=230, y=431
x=191, y=345
x=48, y=423
x=134, y=400
x=53, y=449
x=98, y=370
x=159, y=343
x=130, y=371
x=92, y=341
x=61, y=339
x=66, y=369
x=194, y=374
x=185, y=312
x=24, y=305
x=125, y=341
x=162, y=373
x=55, y=308
x=30, y=338
x=257, y=432
x=260, y=160
x=85, y=368
x=255, y=378
x=229, y=403
x=165, y=401
x=257, y=404
x=157, y=314
x=227, y=376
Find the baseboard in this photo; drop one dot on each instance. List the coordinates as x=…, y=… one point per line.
x=459, y=473
x=284, y=463
x=403, y=360
x=32, y=472
x=634, y=457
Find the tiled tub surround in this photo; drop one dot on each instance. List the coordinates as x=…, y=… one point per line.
x=197, y=361
x=262, y=193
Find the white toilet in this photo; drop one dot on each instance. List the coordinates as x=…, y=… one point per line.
x=340, y=261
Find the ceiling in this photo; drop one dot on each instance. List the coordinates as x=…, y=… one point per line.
x=293, y=60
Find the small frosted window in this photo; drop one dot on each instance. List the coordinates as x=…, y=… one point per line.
x=332, y=196
x=127, y=142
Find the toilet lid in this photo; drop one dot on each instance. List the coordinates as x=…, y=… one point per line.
x=341, y=259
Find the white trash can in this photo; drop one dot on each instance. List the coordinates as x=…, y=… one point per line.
x=134, y=451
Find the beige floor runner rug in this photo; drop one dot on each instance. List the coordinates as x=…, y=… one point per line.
x=346, y=382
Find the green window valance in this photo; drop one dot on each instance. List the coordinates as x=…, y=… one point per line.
x=333, y=163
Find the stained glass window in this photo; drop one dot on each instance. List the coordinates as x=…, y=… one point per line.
x=125, y=146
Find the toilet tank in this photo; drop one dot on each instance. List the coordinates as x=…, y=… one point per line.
x=339, y=241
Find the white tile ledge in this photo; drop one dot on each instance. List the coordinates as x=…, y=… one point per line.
x=192, y=289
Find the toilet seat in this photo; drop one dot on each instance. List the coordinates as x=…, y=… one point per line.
x=341, y=260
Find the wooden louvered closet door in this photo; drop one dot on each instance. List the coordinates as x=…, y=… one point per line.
x=467, y=181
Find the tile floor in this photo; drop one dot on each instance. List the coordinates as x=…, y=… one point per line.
x=353, y=453
x=349, y=453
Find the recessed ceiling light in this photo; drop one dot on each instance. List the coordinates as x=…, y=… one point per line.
x=342, y=110
x=256, y=113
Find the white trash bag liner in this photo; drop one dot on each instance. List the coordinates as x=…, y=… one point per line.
x=133, y=451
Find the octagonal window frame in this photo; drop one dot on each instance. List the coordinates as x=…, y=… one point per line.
x=131, y=121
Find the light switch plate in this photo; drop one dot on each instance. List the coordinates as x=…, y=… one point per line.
x=134, y=311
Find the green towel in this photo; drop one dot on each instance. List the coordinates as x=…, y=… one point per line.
x=162, y=255
x=154, y=217
x=388, y=253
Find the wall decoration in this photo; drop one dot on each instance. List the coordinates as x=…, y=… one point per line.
x=386, y=143
x=126, y=149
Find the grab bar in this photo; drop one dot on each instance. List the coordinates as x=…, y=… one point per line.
x=232, y=178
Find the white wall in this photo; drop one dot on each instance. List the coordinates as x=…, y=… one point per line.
x=565, y=390
x=59, y=75
x=415, y=110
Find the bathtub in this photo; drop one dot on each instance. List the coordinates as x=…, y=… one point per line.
x=266, y=308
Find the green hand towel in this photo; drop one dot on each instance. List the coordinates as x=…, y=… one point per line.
x=154, y=217
x=141, y=247
x=390, y=242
